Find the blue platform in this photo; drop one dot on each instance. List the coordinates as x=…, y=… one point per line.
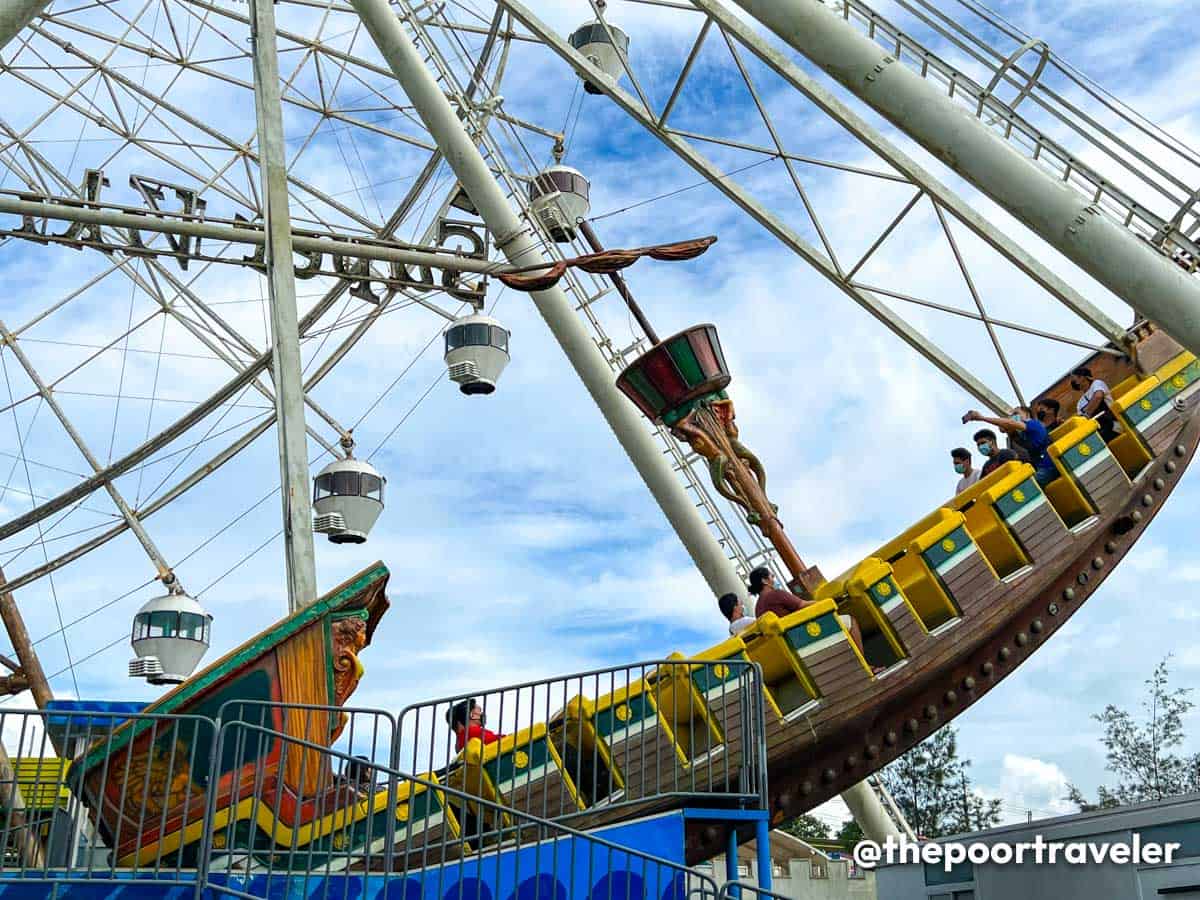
x=563, y=868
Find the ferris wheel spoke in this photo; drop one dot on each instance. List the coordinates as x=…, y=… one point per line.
x=131, y=519
x=769, y=220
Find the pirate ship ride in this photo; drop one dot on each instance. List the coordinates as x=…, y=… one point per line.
x=247, y=759
x=948, y=608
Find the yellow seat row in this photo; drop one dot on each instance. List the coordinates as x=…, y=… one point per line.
x=922, y=580
x=1147, y=410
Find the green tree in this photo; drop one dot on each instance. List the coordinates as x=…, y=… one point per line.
x=1145, y=755
x=931, y=786
x=808, y=828
x=850, y=834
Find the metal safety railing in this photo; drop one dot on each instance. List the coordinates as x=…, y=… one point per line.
x=1058, y=106
x=641, y=734
x=276, y=812
x=263, y=787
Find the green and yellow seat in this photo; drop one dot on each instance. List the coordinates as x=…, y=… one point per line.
x=423, y=818
x=641, y=743
x=890, y=626
x=686, y=696
x=1091, y=480
x=583, y=752
x=933, y=562
x=1149, y=410
x=468, y=776
x=523, y=771
x=806, y=656
x=1010, y=518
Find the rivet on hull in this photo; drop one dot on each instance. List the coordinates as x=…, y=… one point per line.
x=986, y=668
x=1170, y=466
x=951, y=697
x=1036, y=626
x=1098, y=563
x=1022, y=639
x=1069, y=594
x=1004, y=654
x=968, y=683
x=1159, y=484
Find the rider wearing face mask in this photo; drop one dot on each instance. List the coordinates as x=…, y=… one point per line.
x=1047, y=412
x=1093, y=401
x=1024, y=432
x=962, y=465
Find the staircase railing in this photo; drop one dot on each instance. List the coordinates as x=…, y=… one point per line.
x=279, y=809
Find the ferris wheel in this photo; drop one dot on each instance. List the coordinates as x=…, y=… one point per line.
x=140, y=209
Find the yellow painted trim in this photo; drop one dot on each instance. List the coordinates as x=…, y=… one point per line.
x=265, y=819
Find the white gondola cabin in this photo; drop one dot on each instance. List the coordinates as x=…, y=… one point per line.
x=347, y=500
x=594, y=43
x=476, y=353
x=558, y=197
x=170, y=637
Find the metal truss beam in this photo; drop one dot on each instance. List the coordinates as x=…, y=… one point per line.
x=750, y=205
x=1135, y=271
x=920, y=177
x=130, y=220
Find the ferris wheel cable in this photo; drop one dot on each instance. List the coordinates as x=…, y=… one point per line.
x=18, y=552
x=41, y=535
x=779, y=149
x=153, y=102
x=20, y=444
x=135, y=525
x=112, y=438
x=681, y=190
x=370, y=409
x=162, y=337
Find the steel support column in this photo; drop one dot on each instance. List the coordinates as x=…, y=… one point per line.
x=521, y=248
x=1133, y=270
x=299, y=553
x=869, y=812
x=762, y=845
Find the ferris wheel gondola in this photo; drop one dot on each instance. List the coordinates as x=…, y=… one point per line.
x=170, y=636
x=558, y=197
x=604, y=45
x=476, y=353
x=347, y=500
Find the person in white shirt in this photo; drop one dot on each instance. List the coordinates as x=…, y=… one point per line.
x=962, y=465
x=1093, y=401
x=733, y=610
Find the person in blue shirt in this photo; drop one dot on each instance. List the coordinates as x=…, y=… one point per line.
x=1029, y=434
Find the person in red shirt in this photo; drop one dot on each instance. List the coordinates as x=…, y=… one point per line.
x=466, y=721
x=781, y=602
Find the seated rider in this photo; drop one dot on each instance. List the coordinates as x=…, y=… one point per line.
x=732, y=608
x=1026, y=433
x=466, y=721
x=1048, y=412
x=781, y=602
x=1093, y=401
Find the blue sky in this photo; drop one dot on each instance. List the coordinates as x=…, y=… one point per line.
x=521, y=542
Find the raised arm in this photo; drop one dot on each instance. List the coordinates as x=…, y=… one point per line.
x=1008, y=426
